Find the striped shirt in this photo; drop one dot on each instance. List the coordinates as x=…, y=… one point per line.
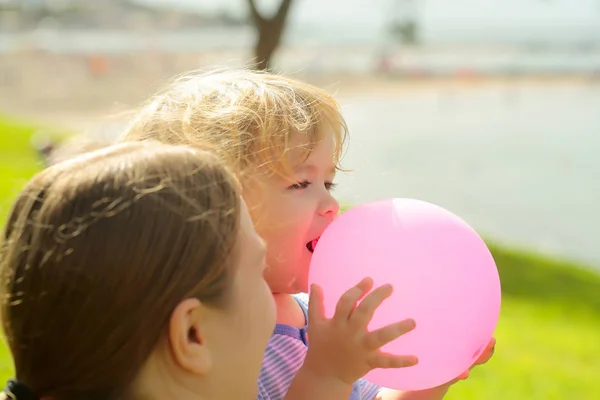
x=284, y=356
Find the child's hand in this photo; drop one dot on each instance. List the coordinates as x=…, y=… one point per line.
x=341, y=347
x=483, y=358
x=436, y=393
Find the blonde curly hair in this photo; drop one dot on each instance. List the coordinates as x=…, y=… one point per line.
x=252, y=119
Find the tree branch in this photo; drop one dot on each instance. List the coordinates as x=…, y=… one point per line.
x=258, y=19
x=284, y=8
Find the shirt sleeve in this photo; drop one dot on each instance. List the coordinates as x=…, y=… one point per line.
x=367, y=390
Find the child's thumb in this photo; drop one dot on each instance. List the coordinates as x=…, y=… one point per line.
x=316, y=308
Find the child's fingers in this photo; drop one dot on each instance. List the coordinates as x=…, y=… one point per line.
x=385, y=360
x=488, y=353
x=376, y=339
x=347, y=302
x=363, y=313
x=316, y=308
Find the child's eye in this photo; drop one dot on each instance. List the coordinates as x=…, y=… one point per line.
x=300, y=185
x=330, y=186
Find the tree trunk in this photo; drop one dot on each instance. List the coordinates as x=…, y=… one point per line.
x=269, y=32
x=269, y=37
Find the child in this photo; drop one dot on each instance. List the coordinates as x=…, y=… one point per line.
x=134, y=272
x=284, y=139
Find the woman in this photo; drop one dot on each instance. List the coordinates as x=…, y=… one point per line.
x=126, y=274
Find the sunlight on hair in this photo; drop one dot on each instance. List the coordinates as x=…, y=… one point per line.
x=252, y=119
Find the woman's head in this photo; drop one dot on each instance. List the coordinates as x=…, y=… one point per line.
x=277, y=134
x=121, y=278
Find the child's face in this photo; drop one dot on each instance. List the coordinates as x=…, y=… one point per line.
x=291, y=214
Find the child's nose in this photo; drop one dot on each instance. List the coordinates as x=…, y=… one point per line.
x=329, y=207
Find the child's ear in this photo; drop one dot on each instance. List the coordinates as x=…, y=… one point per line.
x=187, y=340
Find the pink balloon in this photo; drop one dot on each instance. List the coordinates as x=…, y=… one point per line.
x=444, y=277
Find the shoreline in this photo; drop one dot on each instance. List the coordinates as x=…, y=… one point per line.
x=88, y=108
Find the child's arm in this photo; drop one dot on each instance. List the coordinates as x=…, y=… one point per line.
x=342, y=350
x=439, y=392
x=309, y=385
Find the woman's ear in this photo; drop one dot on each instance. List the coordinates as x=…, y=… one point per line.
x=187, y=339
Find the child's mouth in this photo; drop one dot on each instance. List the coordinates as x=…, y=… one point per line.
x=312, y=244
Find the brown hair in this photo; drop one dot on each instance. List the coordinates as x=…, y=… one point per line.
x=97, y=253
x=249, y=116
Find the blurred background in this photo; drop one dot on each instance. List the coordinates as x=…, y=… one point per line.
x=488, y=108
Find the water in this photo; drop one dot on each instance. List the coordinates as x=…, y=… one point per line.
x=521, y=165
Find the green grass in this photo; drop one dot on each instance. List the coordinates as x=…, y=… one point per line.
x=549, y=331
x=18, y=161
x=18, y=158
x=548, y=334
